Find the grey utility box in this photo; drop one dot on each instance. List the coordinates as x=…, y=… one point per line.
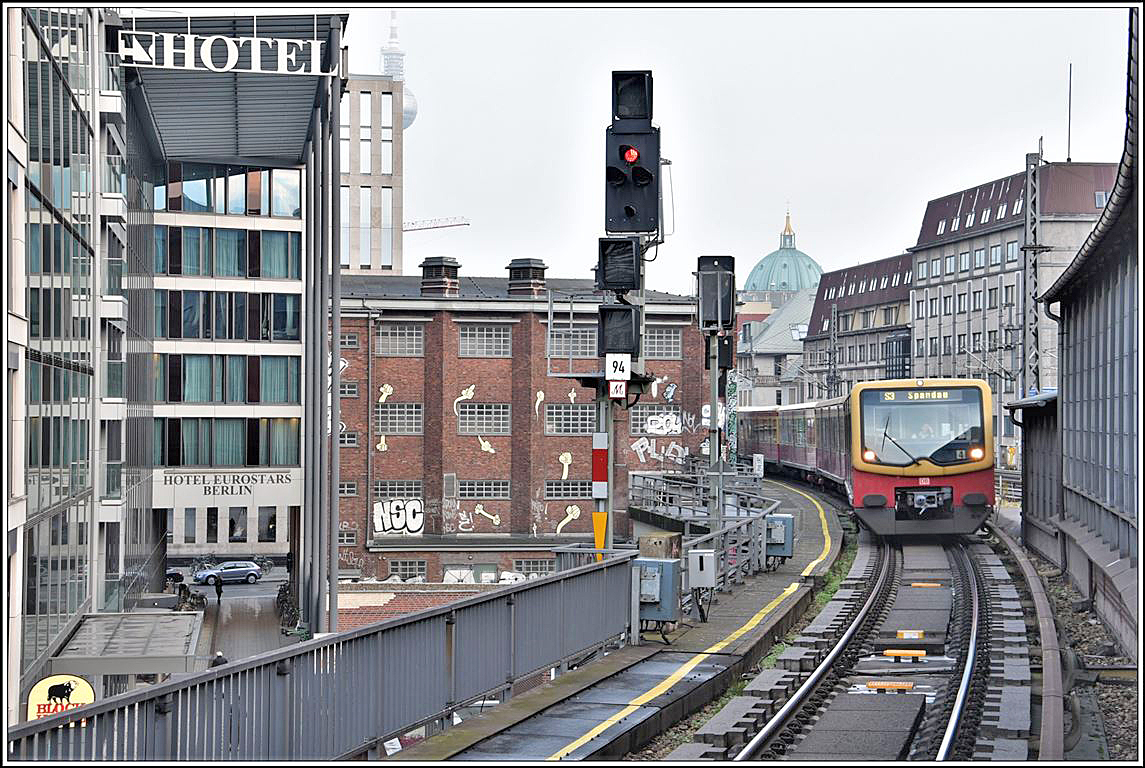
x=780, y=535
x=659, y=588
x=702, y=568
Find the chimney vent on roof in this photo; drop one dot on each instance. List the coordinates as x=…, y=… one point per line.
x=526, y=277
x=439, y=276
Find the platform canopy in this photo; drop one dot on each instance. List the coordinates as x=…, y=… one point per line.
x=140, y=642
x=211, y=107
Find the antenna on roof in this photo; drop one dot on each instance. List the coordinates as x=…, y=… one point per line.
x=1069, y=114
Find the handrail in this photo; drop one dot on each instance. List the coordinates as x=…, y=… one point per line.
x=159, y=721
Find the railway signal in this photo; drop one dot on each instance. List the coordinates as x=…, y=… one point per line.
x=618, y=264
x=632, y=157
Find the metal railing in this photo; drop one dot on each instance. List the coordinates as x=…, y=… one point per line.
x=342, y=695
x=1007, y=487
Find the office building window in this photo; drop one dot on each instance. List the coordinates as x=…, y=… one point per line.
x=189, y=515
x=344, y=227
x=995, y=255
x=962, y=302
x=868, y=317
x=365, y=218
x=485, y=341
x=398, y=418
x=236, y=531
x=950, y=264
x=570, y=419
x=1008, y=295
x=874, y=350
x=285, y=193
x=862, y=354
x=890, y=315
x=1012, y=250
x=992, y=340
x=920, y=309
x=936, y=267
x=946, y=345
x=212, y=525
x=922, y=270
x=976, y=340
x=568, y=489
x=483, y=419
x=977, y=300
x=267, y=524
x=920, y=348
x=964, y=261
x=483, y=489
x=962, y=342
x=933, y=345
x=934, y=307
x=992, y=298
x=979, y=258
x=947, y=305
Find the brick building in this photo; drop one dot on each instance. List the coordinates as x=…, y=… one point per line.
x=461, y=456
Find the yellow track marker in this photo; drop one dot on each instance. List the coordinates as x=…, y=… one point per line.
x=666, y=684
x=907, y=654
x=890, y=685
x=924, y=584
x=910, y=634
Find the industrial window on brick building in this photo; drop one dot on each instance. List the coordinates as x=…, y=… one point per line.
x=638, y=417
x=535, y=565
x=397, y=489
x=398, y=418
x=568, y=489
x=347, y=537
x=348, y=439
x=662, y=343
x=348, y=341
x=400, y=340
x=485, y=341
x=570, y=419
x=483, y=419
x=483, y=489
x=578, y=342
x=408, y=569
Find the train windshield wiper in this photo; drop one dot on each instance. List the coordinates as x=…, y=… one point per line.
x=886, y=436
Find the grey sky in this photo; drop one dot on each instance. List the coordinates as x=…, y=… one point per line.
x=855, y=116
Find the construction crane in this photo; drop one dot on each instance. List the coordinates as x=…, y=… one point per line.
x=452, y=221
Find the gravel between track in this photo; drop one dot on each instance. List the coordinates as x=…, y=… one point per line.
x=1084, y=632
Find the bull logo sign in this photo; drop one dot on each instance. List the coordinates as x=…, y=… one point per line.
x=400, y=516
x=58, y=693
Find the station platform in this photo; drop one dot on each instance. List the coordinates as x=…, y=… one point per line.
x=615, y=705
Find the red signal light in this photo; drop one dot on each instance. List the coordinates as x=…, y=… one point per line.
x=631, y=155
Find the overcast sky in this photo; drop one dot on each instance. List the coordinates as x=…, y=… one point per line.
x=858, y=117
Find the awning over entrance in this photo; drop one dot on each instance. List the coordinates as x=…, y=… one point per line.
x=141, y=642
x=233, y=115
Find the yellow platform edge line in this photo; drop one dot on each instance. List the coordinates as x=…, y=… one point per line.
x=822, y=519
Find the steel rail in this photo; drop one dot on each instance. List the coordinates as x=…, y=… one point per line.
x=947, y=745
x=1051, y=740
x=776, y=723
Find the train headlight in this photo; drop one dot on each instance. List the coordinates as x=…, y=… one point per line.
x=977, y=453
x=869, y=455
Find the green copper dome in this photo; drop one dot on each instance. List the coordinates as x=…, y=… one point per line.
x=787, y=269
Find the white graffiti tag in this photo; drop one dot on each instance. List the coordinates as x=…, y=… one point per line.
x=537, y=405
x=399, y=516
x=670, y=392
x=572, y=395
x=480, y=510
x=572, y=512
x=385, y=390
x=565, y=459
x=486, y=445
x=381, y=446
x=466, y=394
x=664, y=424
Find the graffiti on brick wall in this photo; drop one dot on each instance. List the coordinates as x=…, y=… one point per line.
x=566, y=461
x=480, y=510
x=667, y=423
x=399, y=516
x=688, y=422
x=670, y=392
x=646, y=449
x=384, y=391
x=572, y=395
x=466, y=394
x=537, y=405
x=486, y=445
x=656, y=382
x=381, y=446
x=572, y=512
x=348, y=558
x=539, y=511
x=449, y=513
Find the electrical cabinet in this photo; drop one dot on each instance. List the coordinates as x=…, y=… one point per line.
x=702, y=568
x=659, y=588
x=780, y=535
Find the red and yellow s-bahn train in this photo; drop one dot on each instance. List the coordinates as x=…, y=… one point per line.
x=914, y=456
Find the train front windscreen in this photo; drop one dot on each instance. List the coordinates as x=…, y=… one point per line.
x=901, y=427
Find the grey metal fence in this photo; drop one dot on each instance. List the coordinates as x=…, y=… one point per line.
x=342, y=695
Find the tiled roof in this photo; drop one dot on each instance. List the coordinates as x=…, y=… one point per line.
x=473, y=289
x=1066, y=188
x=773, y=335
x=400, y=604
x=838, y=284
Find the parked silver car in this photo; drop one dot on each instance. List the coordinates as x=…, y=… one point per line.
x=234, y=570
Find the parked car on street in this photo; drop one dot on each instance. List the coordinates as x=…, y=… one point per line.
x=174, y=576
x=231, y=571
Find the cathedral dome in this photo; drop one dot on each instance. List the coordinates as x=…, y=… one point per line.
x=785, y=269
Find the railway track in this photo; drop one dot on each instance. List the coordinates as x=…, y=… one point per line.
x=920, y=656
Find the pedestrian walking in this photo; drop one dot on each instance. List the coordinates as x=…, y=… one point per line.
x=219, y=590
x=219, y=659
